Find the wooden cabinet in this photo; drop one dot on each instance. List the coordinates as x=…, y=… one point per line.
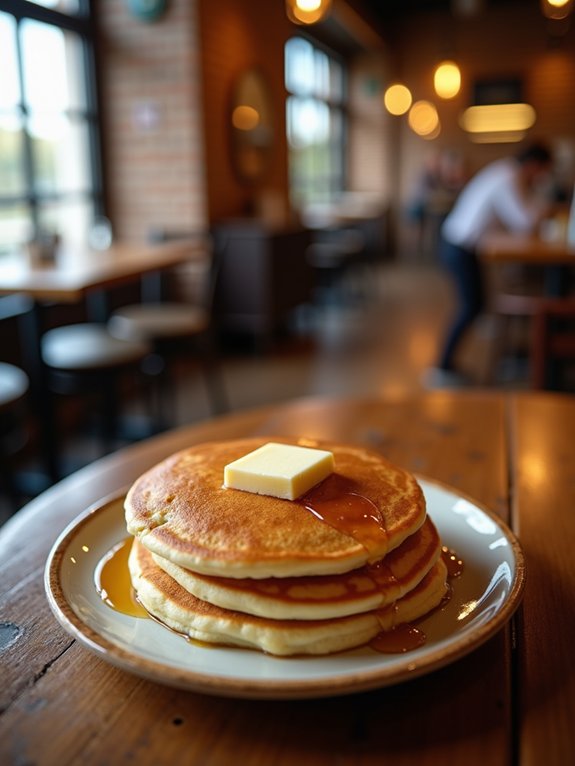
x=264, y=274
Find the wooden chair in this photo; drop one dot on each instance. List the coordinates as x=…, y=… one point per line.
x=176, y=328
x=552, y=341
x=513, y=298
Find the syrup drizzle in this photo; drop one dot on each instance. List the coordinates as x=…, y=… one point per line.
x=335, y=502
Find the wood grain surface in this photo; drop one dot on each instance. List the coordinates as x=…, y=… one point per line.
x=511, y=701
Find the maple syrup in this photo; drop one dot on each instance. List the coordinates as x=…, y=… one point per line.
x=452, y=561
x=398, y=640
x=113, y=583
x=335, y=502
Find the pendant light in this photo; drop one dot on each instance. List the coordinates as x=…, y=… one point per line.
x=307, y=11
x=447, y=79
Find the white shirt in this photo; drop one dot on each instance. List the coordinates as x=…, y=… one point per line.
x=491, y=198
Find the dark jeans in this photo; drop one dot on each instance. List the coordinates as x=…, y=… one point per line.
x=465, y=271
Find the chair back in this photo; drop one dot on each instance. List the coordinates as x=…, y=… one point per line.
x=552, y=341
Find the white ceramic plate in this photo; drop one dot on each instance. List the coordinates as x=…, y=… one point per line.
x=484, y=598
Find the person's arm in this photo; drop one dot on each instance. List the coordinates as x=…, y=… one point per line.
x=515, y=209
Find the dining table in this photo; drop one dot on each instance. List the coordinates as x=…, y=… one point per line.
x=506, y=460
x=556, y=255
x=72, y=275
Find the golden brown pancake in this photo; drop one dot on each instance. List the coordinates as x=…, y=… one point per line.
x=181, y=511
x=312, y=598
x=165, y=599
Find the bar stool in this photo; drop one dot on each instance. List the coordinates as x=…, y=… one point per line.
x=14, y=386
x=175, y=329
x=85, y=358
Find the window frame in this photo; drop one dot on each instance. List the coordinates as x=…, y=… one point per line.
x=83, y=25
x=336, y=181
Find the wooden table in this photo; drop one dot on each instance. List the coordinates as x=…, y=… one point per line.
x=556, y=256
x=512, y=701
x=524, y=248
x=74, y=275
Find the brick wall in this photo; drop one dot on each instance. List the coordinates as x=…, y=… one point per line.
x=151, y=109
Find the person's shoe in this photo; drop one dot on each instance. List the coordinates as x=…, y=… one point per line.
x=437, y=377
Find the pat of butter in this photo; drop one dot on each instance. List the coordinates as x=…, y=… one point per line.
x=280, y=470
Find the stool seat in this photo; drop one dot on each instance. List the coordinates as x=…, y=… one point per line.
x=13, y=385
x=157, y=321
x=86, y=347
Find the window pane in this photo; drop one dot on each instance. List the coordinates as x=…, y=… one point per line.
x=308, y=121
x=53, y=67
x=9, y=82
x=15, y=228
x=61, y=153
x=71, y=220
x=299, y=66
x=12, y=181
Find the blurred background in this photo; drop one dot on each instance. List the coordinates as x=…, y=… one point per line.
x=315, y=149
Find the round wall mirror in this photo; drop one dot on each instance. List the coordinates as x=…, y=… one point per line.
x=252, y=133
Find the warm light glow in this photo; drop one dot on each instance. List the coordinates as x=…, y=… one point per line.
x=447, y=79
x=245, y=117
x=509, y=137
x=307, y=11
x=397, y=99
x=556, y=9
x=424, y=120
x=498, y=118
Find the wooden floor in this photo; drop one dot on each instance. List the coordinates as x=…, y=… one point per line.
x=376, y=336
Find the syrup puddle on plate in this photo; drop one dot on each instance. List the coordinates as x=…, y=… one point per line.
x=113, y=583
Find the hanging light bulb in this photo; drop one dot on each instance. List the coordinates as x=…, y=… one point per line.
x=556, y=9
x=307, y=11
x=397, y=99
x=424, y=120
x=447, y=79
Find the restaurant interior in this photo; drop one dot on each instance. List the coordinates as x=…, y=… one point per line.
x=294, y=168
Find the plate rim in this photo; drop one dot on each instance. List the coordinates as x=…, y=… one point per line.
x=273, y=688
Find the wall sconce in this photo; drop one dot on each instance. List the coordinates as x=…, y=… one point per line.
x=397, y=99
x=556, y=9
x=307, y=11
x=447, y=79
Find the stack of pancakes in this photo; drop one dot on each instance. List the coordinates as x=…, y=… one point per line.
x=355, y=556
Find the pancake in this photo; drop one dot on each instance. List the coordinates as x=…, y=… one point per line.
x=166, y=600
x=311, y=598
x=181, y=511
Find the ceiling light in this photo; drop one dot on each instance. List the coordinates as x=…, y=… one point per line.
x=556, y=9
x=447, y=79
x=307, y=11
x=397, y=99
x=424, y=120
x=498, y=118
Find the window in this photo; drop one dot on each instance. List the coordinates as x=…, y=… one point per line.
x=49, y=166
x=315, y=81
